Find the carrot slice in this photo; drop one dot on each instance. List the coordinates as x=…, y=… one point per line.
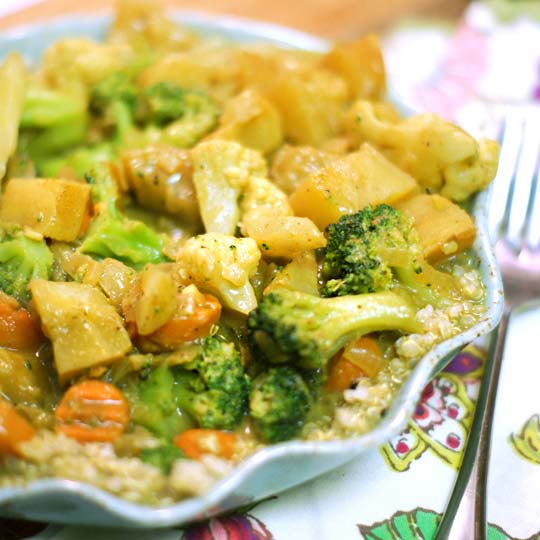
x=362, y=357
x=18, y=329
x=92, y=411
x=14, y=430
x=196, y=442
x=342, y=374
x=194, y=318
x=366, y=354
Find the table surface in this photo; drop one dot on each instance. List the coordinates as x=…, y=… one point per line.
x=339, y=19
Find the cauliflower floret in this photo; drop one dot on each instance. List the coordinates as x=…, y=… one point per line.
x=221, y=264
x=221, y=172
x=441, y=156
x=466, y=177
x=261, y=199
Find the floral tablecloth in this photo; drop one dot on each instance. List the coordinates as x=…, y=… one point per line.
x=400, y=490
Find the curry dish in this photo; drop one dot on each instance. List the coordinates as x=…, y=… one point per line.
x=207, y=247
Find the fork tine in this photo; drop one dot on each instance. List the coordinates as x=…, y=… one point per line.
x=532, y=222
x=517, y=219
x=510, y=138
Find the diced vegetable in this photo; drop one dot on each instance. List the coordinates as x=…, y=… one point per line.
x=350, y=184
x=161, y=179
x=195, y=315
x=444, y=228
x=22, y=259
x=92, y=411
x=301, y=274
x=250, y=119
x=292, y=164
x=366, y=354
x=54, y=208
x=310, y=103
x=221, y=170
x=154, y=301
x=18, y=329
x=221, y=265
x=83, y=326
x=284, y=236
x=196, y=442
x=342, y=373
x=14, y=430
x=361, y=64
x=12, y=90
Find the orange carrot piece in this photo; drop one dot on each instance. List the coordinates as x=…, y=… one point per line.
x=366, y=354
x=194, y=318
x=92, y=411
x=196, y=442
x=18, y=329
x=14, y=430
x=342, y=374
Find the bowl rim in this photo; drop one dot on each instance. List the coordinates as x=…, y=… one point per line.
x=141, y=515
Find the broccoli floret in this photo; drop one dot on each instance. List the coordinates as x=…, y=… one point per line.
x=111, y=234
x=185, y=115
x=167, y=102
x=21, y=260
x=155, y=407
x=118, y=86
x=214, y=388
x=306, y=331
x=115, y=98
x=279, y=403
x=54, y=121
x=378, y=249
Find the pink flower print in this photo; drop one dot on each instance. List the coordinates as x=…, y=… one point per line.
x=231, y=527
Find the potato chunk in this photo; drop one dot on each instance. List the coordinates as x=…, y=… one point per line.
x=361, y=64
x=444, y=228
x=291, y=165
x=349, y=184
x=161, y=179
x=284, y=236
x=250, y=119
x=310, y=103
x=54, y=208
x=83, y=326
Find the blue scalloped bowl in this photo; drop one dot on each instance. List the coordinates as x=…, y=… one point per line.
x=274, y=468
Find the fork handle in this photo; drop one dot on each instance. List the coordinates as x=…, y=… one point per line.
x=465, y=517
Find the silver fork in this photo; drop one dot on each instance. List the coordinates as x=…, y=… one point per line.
x=514, y=219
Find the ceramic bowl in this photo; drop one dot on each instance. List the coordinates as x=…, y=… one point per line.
x=276, y=467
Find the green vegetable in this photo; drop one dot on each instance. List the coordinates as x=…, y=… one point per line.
x=185, y=115
x=155, y=406
x=279, y=403
x=111, y=234
x=306, y=331
x=46, y=108
x=58, y=121
x=213, y=388
x=21, y=260
x=378, y=249
x=162, y=457
x=81, y=160
x=117, y=87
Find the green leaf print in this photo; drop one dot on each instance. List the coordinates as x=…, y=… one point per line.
x=526, y=443
x=419, y=524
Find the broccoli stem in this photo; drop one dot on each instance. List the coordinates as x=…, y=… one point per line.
x=290, y=326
